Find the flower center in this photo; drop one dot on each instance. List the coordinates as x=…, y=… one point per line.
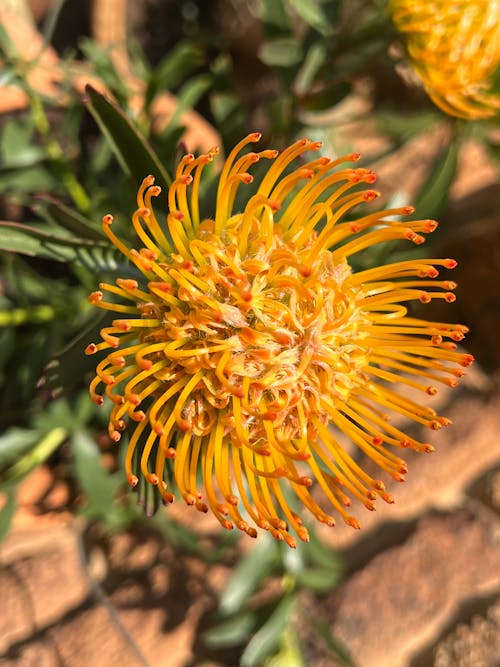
x=263, y=330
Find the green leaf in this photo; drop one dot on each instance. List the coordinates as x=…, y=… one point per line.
x=58, y=413
x=274, y=15
x=176, y=534
x=7, y=346
x=17, y=147
x=175, y=66
x=27, y=180
x=320, y=580
x=66, y=369
x=293, y=559
x=7, y=512
x=135, y=155
x=494, y=150
x=37, y=242
x=315, y=58
x=403, y=127
x=281, y=52
x=231, y=632
x=16, y=237
x=433, y=196
x=14, y=443
x=311, y=12
x=290, y=654
x=187, y=98
x=99, y=486
x=224, y=105
x=50, y=23
x=248, y=574
x=68, y=218
x=322, y=555
x=35, y=456
x=267, y=638
x=335, y=647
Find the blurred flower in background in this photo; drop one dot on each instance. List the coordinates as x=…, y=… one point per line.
x=455, y=49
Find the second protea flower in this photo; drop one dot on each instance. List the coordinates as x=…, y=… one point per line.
x=248, y=344
x=455, y=49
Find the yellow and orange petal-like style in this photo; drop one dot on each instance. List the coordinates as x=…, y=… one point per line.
x=248, y=348
x=455, y=48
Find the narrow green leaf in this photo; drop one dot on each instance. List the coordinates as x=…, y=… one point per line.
x=27, y=180
x=433, y=196
x=310, y=11
x=175, y=66
x=290, y=654
x=7, y=345
x=315, y=58
x=176, y=534
x=403, y=127
x=37, y=242
x=274, y=15
x=14, y=443
x=51, y=20
x=231, y=632
x=58, y=413
x=318, y=579
x=322, y=555
x=7, y=512
x=132, y=151
x=67, y=368
x=267, y=638
x=281, y=52
x=35, y=456
x=248, y=574
x=68, y=218
x=98, y=485
x=187, y=98
x=17, y=147
x=6, y=45
x=335, y=646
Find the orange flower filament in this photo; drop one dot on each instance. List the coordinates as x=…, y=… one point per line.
x=455, y=48
x=248, y=344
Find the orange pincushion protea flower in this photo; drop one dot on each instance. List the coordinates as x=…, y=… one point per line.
x=249, y=343
x=455, y=48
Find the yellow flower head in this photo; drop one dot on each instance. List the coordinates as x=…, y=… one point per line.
x=455, y=48
x=249, y=349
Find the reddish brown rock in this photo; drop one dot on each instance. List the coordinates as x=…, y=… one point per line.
x=91, y=638
x=404, y=597
x=42, y=578
x=474, y=643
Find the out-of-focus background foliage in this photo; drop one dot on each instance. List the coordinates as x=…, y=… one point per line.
x=188, y=75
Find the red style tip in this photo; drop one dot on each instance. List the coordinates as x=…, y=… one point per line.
x=466, y=360
x=133, y=480
x=351, y=521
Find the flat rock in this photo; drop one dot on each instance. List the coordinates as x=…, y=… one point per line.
x=404, y=597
